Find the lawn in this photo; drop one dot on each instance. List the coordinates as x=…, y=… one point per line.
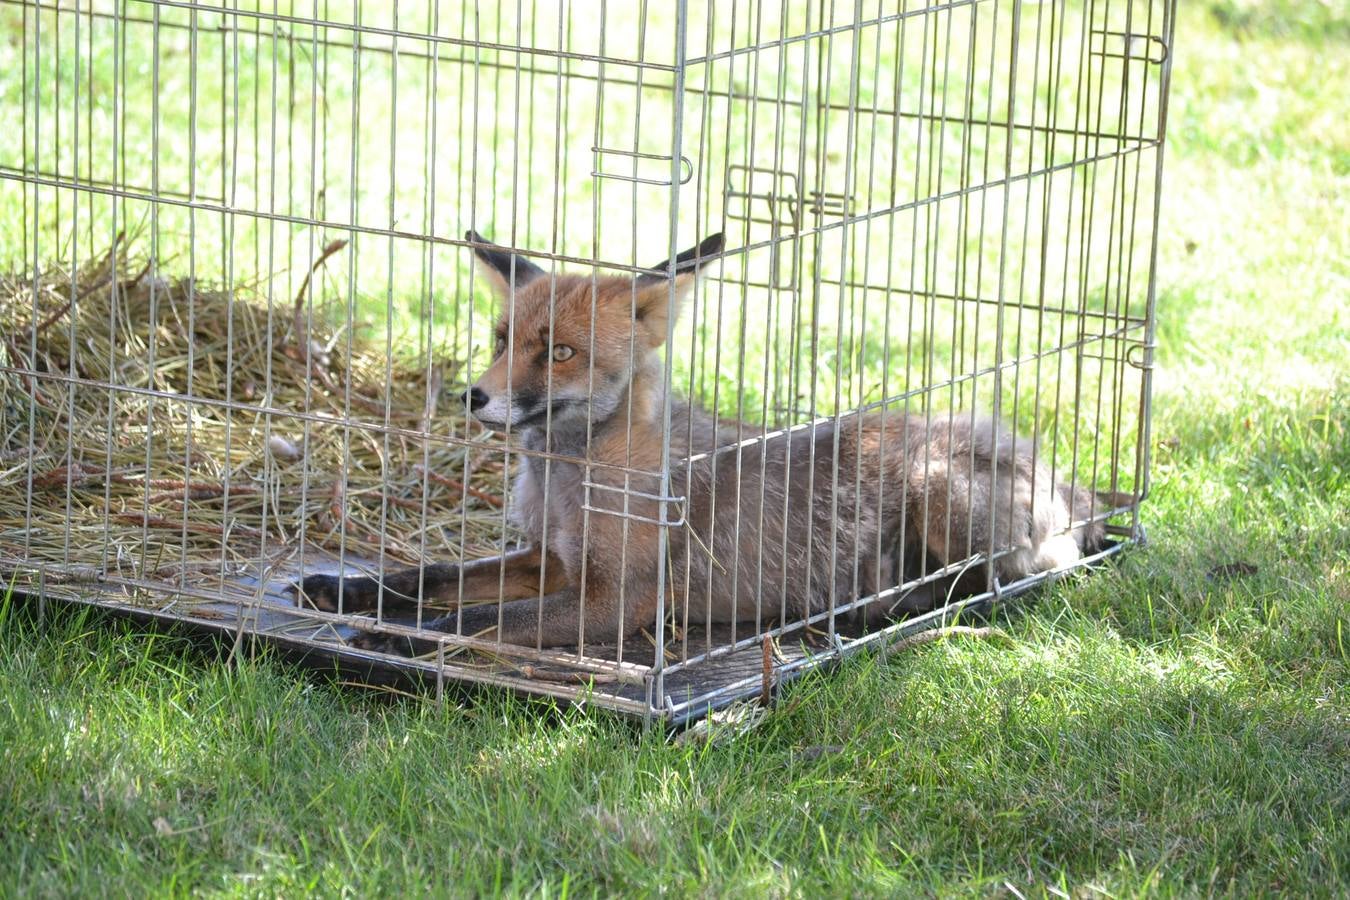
x=1176, y=724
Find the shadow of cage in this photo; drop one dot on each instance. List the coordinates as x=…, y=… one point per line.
x=340, y=325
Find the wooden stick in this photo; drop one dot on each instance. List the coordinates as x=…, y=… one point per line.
x=766, y=685
x=301, y=332
x=458, y=485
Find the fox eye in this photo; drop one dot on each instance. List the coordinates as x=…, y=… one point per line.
x=562, y=353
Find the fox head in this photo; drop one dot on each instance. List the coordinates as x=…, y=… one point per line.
x=568, y=348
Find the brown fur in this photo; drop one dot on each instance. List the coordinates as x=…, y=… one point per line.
x=771, y=531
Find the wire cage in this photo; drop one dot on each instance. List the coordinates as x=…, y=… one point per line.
x=270, y=264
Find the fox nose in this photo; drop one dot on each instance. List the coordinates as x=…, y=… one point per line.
x=475, y=398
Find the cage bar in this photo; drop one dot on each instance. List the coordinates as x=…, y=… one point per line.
x=247, y=295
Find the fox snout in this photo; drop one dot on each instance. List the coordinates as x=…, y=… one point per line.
x=475, y=398
x=499, y=409
x=494, y=414
x=518, y=409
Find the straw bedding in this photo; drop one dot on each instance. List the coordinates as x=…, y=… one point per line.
x=155, y=490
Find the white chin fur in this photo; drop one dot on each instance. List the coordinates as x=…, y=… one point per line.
x=497, y=413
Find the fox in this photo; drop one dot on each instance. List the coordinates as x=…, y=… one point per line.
x=790, y=524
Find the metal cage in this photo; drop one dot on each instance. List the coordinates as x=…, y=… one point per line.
x=242, y=312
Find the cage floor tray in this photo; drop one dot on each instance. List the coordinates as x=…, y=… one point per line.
x=246, y=606
x=236, y=605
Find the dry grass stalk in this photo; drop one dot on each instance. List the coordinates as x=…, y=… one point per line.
x=112, y=472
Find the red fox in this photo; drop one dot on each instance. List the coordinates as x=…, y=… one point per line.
x=773, y=530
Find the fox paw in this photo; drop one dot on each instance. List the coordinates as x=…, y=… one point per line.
x=392, y=644
x=320, y=590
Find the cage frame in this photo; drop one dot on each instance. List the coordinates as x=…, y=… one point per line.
x=1134, y=337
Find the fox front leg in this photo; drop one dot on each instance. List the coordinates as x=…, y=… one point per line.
x=551, y=621
x=521, y=573
x=555, y=620
x=361, y=593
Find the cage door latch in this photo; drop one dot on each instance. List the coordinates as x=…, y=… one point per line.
x=638, y=169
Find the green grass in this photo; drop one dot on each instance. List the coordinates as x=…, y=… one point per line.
x=1154, y=729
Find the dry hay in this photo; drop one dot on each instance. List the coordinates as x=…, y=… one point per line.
x=146, y=488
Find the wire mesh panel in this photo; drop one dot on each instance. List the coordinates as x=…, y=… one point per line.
x=639, y=353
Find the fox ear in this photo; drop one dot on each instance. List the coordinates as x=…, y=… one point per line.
x=502, y=267
x=689, y=262
x=653, y=306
